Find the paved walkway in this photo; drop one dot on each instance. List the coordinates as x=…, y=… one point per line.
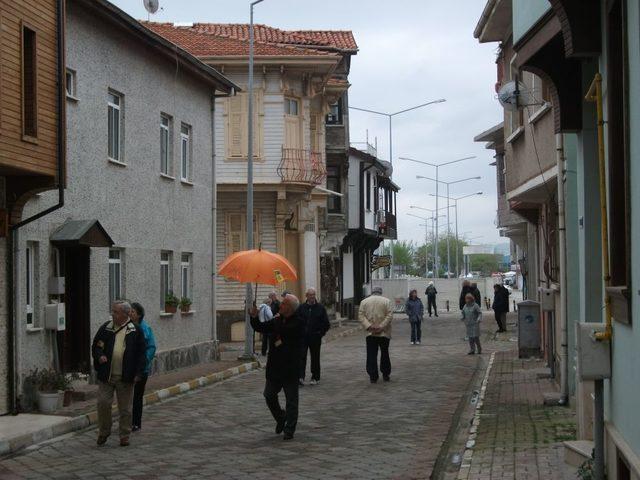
x=518, y=437
x=348, y=428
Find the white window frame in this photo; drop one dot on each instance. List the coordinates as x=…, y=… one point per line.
x=118, y=265
x=165, y=149
x=30, y=294
x=71, y=83
x=288, y=101
x=185, y=269
x=114, y=107
x=185, y=152
x=165, y=263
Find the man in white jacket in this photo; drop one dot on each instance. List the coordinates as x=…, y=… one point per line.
x=375, y=314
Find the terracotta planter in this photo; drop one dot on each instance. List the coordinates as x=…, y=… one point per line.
x=68, y=398
x=185, y=309
x=170, y=308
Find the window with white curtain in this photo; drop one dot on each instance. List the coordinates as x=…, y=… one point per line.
x=114, y=102
x=185, y=275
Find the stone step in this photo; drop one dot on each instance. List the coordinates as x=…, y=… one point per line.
x=576, y=452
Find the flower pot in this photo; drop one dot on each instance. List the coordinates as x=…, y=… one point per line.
x=48, y=401
x=67, y=398
x=185, y=309
x=170, y=308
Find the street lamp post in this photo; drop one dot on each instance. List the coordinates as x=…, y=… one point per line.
x=433, y=230
x=426, y=239
x=248, y=334
x=455, y=205
x=437, y=196
x=437, y=167
x=390, y=118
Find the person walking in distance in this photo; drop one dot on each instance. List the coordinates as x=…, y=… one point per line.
x=316, y=325
x=118, y=351
x=414, y=309
x=500, y=306
x=375, y=315
x=137, y=317
x=475, y=291
x=466, y=288
x=283, y=363
x=472, y=316
x=431, y=293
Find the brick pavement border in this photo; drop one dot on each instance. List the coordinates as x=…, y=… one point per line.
x=465, y=464
x=80, y=422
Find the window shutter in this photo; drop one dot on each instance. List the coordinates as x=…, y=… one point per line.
x=313, y=126
x=234, y=233
x=235, y=126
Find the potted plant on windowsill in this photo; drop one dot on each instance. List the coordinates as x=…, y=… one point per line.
x=185, y=305
x=171, y=303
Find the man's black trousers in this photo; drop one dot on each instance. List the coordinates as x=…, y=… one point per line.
x=373, y=344
x=431, y=302
x=312, y=344
x=290, y=414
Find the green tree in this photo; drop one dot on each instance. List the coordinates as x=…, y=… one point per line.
x=485, y=263
x=419, y=255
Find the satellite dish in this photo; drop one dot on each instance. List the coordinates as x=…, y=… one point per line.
x=151, y=6
x=515, y=95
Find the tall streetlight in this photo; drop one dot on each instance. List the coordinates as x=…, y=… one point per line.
x=426, y=235
x=390, y=117
x=432, y=218
x=248, y=336
x=437, y=167
x=469, y=256
x=448, y=232
x=455, y=205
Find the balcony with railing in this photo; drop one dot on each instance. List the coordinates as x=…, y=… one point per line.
x=387, y=227
x=302, y=166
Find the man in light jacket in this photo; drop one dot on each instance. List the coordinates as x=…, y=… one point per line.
x=375, y=314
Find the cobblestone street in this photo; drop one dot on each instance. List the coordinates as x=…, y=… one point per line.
x=348, y=428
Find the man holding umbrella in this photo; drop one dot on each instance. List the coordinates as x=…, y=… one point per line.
x=285, y=332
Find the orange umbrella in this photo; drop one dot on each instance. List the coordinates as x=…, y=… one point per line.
x=257, y=266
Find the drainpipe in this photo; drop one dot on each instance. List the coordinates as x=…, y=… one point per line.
x=214, y=228
x=562, y=260
x=13, y=299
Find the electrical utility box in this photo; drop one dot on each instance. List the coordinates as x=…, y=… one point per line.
x=54, y=317
x=529, y=336
x=594, y=356
x=547, y=299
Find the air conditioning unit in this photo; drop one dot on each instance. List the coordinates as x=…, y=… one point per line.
x=54, y=317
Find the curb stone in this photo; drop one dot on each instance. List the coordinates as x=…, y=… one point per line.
x=80, y=422
x=465, y=465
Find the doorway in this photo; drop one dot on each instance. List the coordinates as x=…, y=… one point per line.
x=74, y=343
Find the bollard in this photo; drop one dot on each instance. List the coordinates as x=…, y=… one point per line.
x=447, y=306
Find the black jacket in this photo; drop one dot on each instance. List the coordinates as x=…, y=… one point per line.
x=473, y=291
x=431, y=291
x=501, y=300
x=316, y=321
x=133, y=360
x=283, y=362
x=275, y=306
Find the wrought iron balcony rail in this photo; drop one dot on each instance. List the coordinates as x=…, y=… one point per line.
x=302, y=166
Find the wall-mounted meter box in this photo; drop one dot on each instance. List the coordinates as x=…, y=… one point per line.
x=594, y=356
x=54, y=317
x=547, y=299
x=529, y=329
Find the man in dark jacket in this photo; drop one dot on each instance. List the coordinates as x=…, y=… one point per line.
x=283, y=363
x=119, y=360
x=476, y=294
x=316, y=325
x=500, y=306
x=466, y=288
x=431, y=293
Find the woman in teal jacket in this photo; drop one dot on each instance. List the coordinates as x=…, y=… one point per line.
x=137, y=316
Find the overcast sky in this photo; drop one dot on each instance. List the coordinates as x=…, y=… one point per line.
x=411, y=52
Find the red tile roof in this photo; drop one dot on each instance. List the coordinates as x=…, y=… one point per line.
x=213, y=39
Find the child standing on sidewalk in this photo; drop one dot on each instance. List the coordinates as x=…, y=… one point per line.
x=472, y=316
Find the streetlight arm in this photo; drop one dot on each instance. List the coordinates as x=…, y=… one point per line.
x=456, y=161
x=418, y=216
x=441, y=100
x=418, y=161
x=369, y=111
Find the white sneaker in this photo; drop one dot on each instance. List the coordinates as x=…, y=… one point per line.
x=413, y=343
x=314, y=382
x=417, y=343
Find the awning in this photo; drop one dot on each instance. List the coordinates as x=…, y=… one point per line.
x=81, y=233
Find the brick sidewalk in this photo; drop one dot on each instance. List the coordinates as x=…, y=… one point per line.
x=517, y=437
